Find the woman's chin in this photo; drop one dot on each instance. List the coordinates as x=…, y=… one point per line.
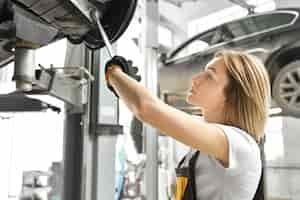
x=190, y=100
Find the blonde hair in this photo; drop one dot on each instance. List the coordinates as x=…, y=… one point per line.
x=247, y=92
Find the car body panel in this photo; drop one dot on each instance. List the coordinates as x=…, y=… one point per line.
x=7, y=32
x=42, y=22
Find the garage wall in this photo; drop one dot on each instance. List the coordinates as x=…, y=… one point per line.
x=287, y=3
x=283, y=175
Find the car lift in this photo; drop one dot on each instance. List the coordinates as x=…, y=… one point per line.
x=91, y=122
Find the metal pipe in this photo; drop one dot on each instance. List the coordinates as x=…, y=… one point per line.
x=24, y=68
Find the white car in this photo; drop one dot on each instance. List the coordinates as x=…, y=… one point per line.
x=272, y=36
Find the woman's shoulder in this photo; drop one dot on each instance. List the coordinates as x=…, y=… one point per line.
x=238, y=134
x=243, y=149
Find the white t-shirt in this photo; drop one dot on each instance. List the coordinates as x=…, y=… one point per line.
x=237, y=182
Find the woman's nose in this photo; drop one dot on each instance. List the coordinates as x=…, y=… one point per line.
x=195, y=78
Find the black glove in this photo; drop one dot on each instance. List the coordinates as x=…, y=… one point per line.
x=127, y=68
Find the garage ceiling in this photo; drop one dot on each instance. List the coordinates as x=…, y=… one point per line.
x=183, y=10
x=175, y=14
x=194, y=8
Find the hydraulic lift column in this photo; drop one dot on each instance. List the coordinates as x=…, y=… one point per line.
x=106, y=130
x=151, y=67
x=72, y=156
x=24, y=65
x=95, y=136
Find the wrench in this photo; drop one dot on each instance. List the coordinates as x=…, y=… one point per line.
x=93, y=15
x=96, y=16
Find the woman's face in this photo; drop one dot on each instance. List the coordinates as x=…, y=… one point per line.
x=207, y=90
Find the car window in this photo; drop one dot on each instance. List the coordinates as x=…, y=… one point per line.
x=243, y=27
x=198, y=44
x=259, y=23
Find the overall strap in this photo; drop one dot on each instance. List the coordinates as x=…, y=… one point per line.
x=192, y=165
x=181, y=162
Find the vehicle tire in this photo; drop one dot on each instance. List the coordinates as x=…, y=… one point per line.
x=286, y=89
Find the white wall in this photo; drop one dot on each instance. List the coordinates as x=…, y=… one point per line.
x=287, y=3
x=283, y=173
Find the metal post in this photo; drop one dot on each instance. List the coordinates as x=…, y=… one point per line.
x=95, y=178
x=107, y=130
x=74, y=139
x=72, y=160
x=89, y=140
x=151, y=44
x=104, y=128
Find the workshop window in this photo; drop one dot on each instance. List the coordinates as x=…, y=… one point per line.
x=165, y=36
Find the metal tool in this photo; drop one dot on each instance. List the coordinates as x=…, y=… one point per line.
x=96, y=16
x=106, y=10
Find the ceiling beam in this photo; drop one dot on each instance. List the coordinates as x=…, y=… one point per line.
x=244, y=4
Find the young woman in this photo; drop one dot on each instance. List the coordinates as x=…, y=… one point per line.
x=233, y=93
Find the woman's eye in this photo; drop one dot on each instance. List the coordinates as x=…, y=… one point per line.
x=208, y=75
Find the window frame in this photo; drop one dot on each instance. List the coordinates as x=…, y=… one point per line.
x=173, y=54
x=296, y=16
x=190, y=41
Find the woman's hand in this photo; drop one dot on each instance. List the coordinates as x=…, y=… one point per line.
x=123, y=64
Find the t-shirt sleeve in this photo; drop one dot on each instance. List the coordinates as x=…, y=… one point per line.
x=243, y=150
